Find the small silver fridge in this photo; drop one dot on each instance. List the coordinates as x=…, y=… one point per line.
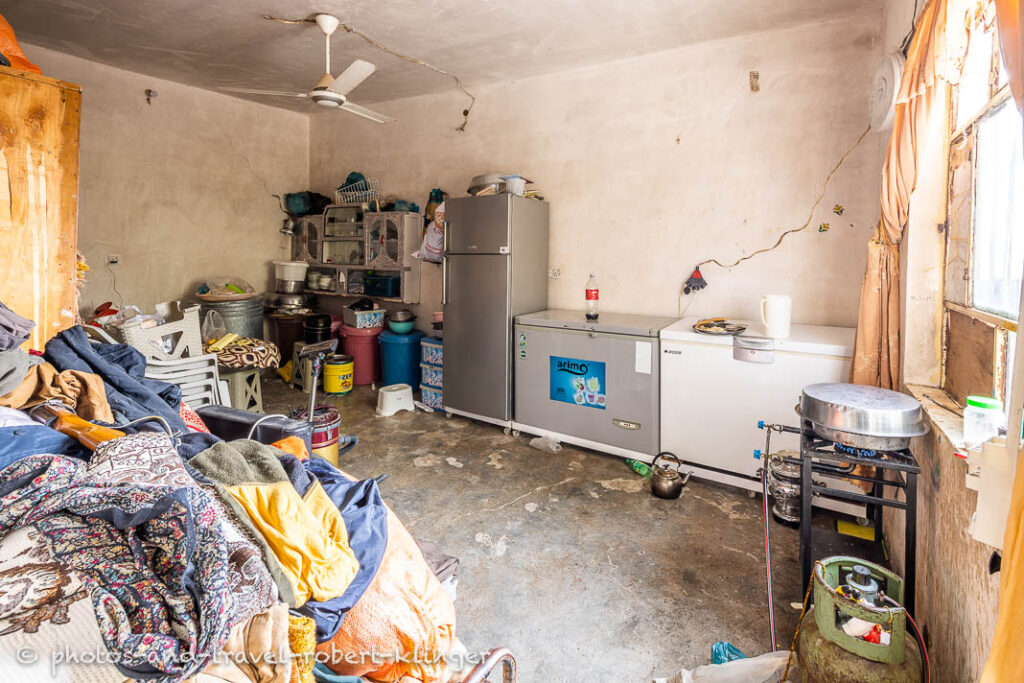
x=495, y=268
x=593, y=384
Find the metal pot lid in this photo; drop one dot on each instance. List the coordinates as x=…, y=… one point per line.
x=859, y=409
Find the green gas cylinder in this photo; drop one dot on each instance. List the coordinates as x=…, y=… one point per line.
x=852, y=596
x=822, y=661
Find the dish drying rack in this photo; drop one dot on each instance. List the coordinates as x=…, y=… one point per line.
x=360, y=192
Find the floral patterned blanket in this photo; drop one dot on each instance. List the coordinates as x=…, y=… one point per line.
x=153, y=559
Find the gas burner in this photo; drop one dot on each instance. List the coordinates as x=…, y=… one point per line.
x=859, y=452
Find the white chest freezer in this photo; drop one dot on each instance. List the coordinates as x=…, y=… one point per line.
x=593, y=384
x=714, y=389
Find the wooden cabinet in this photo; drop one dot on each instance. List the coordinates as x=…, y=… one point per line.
x=39, y=126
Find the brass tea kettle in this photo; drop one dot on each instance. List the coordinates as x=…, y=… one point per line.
x=666, y=481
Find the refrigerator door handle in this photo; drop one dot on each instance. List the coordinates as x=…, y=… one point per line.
x=444, y=280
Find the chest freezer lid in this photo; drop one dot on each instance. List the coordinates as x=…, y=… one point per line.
x=816, y=339
x=607, y=323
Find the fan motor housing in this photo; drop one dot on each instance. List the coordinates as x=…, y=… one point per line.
x=327, y=98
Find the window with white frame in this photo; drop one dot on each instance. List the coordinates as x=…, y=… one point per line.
x=984, y=226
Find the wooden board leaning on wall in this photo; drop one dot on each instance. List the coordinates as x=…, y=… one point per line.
x=39, y=129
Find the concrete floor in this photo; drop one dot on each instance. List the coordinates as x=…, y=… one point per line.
x=567, y=559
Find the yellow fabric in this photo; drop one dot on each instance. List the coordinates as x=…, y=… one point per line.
x=306, y=534
x=1005, y=663
x=936, y=52
x=302, y=640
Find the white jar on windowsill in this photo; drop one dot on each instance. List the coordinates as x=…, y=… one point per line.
x=983, y=418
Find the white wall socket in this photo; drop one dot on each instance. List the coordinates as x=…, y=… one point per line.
x=554, y=273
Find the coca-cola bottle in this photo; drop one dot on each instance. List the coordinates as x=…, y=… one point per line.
x=592, y=298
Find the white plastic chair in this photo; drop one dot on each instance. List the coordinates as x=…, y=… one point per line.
x=196, y=375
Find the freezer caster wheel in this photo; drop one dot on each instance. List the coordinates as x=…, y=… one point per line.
x=448, y=415
x=515, y=433
x=863, y=521
x=508, y=431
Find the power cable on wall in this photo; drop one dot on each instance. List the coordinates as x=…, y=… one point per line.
x=412, y=60
x=696, y=281
x=113, y=283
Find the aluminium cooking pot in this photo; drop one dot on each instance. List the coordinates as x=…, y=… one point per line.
x=666, y=481
x=862, y=416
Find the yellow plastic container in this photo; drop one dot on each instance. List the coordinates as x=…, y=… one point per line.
x=338, y=372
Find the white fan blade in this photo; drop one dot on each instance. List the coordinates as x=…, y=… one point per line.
x=357, y=72
x=366, y=113
x=250, y=91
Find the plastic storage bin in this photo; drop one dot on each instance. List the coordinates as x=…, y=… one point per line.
x=363, y=319
x=431, y=376
x=400, y=355
x=362, y=345
x=382, y=285
x=431, y=397
x=432, y=351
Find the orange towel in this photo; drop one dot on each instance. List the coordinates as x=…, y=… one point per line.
x=293, y=445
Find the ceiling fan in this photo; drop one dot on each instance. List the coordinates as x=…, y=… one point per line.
x=329, y=91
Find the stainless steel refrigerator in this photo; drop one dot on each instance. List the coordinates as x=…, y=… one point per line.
x=495, y=268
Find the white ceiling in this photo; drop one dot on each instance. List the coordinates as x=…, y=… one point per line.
x=211, y=43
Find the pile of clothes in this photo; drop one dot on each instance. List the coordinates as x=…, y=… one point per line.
x=167, y=554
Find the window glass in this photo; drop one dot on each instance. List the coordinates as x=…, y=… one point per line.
x=998, y=257
x=973, y=91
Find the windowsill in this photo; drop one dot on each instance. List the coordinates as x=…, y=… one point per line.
x=945, y=415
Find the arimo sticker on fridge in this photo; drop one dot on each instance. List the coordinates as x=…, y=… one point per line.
x=579, y=382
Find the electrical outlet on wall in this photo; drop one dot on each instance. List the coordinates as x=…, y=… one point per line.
x=554, y=273
x=113, y=259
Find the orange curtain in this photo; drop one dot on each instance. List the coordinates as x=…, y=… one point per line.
x=876, y=353
x=1005, y=662
x=1010, y=22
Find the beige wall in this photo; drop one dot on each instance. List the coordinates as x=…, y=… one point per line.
x=655, y=163
x=180, y=188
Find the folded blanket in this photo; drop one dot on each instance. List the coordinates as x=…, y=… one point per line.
x=305, y=536
x=153, y=559
x=82, y=391
x=130, y=395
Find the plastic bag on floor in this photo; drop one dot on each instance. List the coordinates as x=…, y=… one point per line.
x=723, y=651
x=766, y=668
x=546, y=444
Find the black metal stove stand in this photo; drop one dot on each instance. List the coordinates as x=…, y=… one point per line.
x=824, y=459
